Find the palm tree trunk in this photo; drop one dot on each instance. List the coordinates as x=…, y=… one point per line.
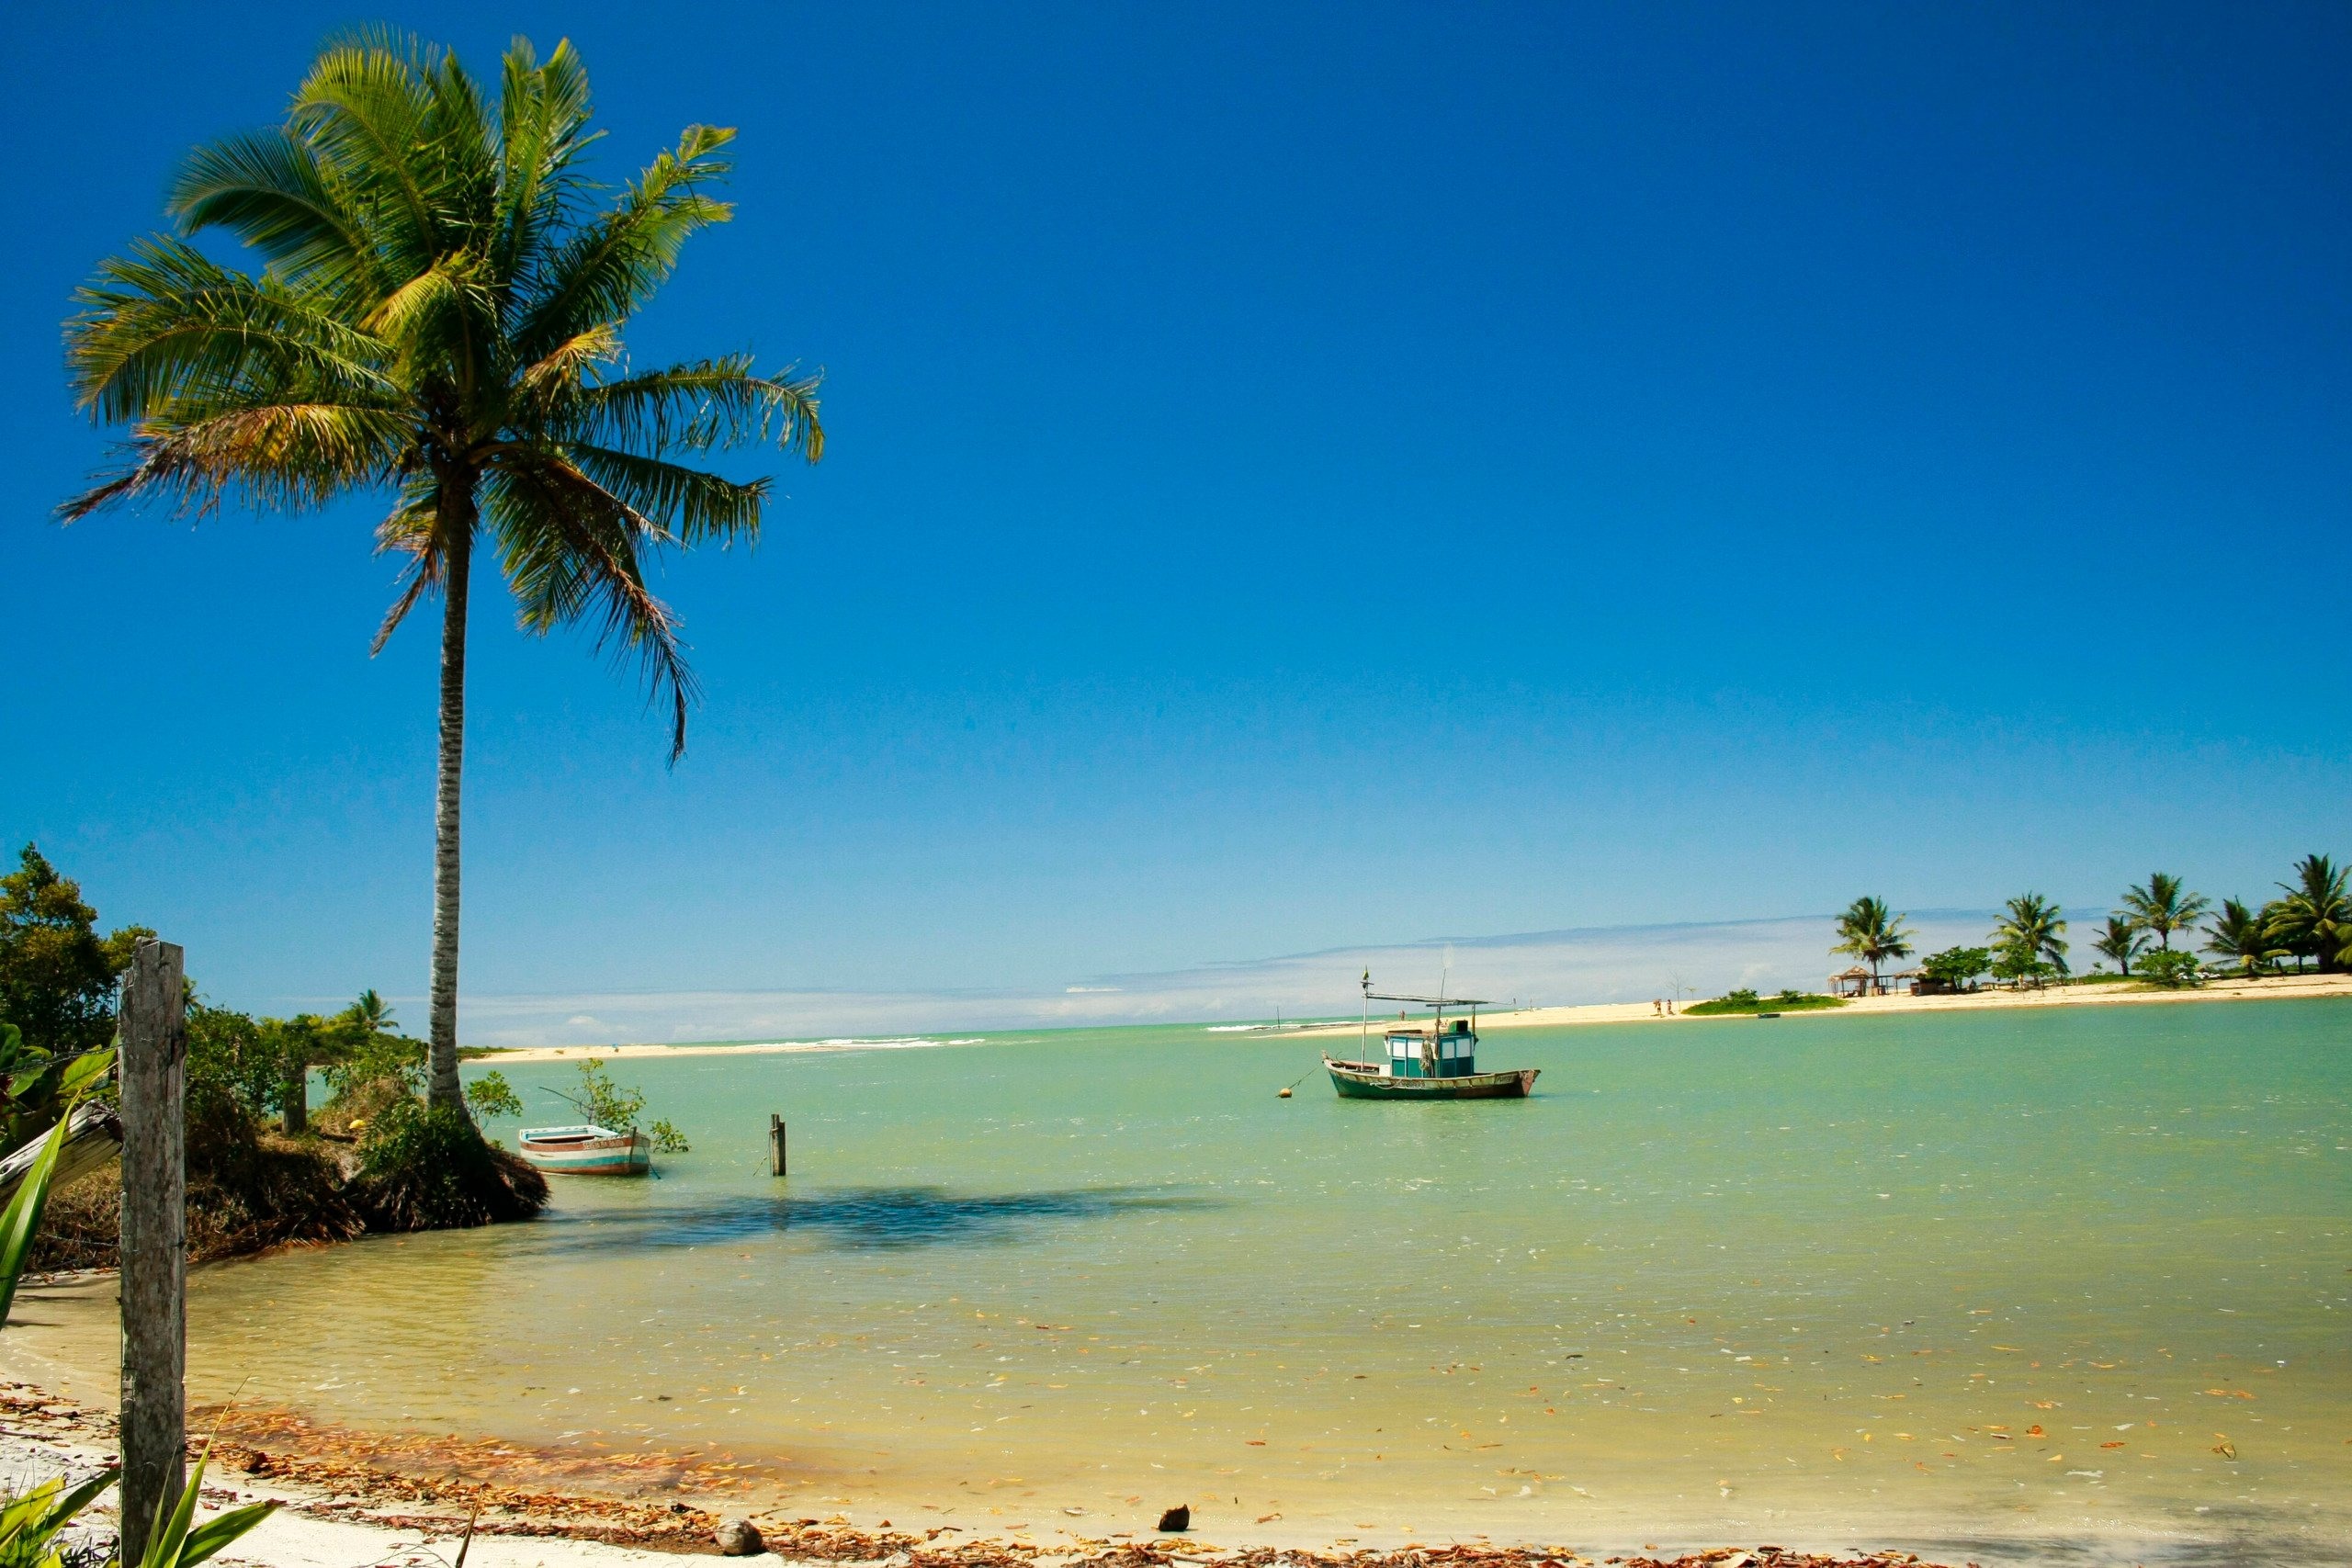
x=457, y=562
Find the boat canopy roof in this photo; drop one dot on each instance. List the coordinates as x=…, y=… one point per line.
x=1431, y=1001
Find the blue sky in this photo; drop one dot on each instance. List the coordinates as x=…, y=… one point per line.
x=1292, y=484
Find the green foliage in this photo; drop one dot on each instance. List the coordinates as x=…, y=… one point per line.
x=2122, y=940
x=1871, y=932
x=36, y=1086
x=2173, y=971
x=57, y=974
x=430, y=1169
x=1746, y=1001
x=603, y=1101
x=31, y=1521
x=373, y=1059
x=2315, y=917
x=490, y=1095
x=230, y=1069
x=2164, y=906
x=21, y=1220
x=439, y=314
x=609, y=1105
x=2243, y=937
x=1956, y=968
x=2029, y=942
x=177, y=1541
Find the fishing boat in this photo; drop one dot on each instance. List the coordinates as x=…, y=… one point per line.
x=587, y=1150
x=1435, y=1060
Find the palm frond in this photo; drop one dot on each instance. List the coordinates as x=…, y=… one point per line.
x=409, y=531
x=702, y=406
x=543, y=124
x=367, y=108
x=168, y=326
x=270, y=190
x=611, y=265
x=692, y=506
x=571, y=550
x=279, y=457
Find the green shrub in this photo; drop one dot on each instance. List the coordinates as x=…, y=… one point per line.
x=1956, y=968
x=2173, y=971
x=430, y=1169
x=490, y=1095
x=1744, y=1002
x=608, y=1104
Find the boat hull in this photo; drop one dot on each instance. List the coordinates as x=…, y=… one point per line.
x=624, y=1153
x=1356, y=1081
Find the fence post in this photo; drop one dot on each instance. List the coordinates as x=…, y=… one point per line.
x=775, y=1144
x=154, y=1239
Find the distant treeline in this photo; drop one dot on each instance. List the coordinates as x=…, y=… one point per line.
x=2308, y=924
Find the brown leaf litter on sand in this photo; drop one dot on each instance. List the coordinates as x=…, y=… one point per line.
x=434, y=1484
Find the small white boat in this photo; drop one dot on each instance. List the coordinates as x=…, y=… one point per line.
x=587, y=1150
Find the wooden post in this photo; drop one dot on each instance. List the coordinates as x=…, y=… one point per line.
x=775, y=1145
x=154, y=1240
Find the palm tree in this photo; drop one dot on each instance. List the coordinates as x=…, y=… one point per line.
x=2030, y=935
x=2244, y=935
x=1873, y=933
x=371, y=1014
x=2164, y=906
x=439, y=315
x=2121, y=939
x=2315, y=916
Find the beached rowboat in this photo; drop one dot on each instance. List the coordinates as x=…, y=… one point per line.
x=587, y=1150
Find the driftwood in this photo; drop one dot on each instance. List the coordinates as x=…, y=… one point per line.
x=92, y=1137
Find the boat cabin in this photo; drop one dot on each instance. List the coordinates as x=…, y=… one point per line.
x=1445, y=1050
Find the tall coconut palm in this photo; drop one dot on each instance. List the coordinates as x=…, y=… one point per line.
x=2164, y=905
x=2243, y=936
x=1874, y=933
x=2121, y=940
x=2031, y=934
x=2314, y=917
x=440, y=316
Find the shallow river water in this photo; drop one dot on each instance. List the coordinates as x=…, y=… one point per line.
x=2069, y=1272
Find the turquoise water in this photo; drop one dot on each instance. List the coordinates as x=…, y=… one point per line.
x=1793, y=1280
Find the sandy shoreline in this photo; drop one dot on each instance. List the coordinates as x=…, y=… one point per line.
x=337, y=1511
x=2283, y=988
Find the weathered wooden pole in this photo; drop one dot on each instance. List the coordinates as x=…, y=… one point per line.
x=775, y=1144
x=154, y=1239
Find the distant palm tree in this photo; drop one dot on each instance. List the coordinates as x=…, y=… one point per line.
x=2244, y=936
x=2164, y=906
x=1873, y=933
x=2031, y=934
x=2121, y=939
x=372, y=1014
x=2315, y=918
x=439, y=315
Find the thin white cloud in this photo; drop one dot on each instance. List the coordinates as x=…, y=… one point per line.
x=1608, y=964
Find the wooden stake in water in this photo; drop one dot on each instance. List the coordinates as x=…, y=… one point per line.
x=775, y=1144
x=154, y=1239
